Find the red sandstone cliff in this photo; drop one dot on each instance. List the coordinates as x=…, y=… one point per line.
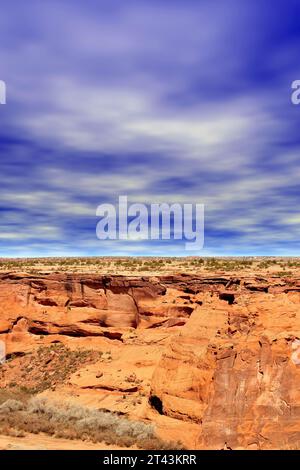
x=211, y=360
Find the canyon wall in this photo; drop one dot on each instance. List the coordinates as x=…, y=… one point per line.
x=224, y=352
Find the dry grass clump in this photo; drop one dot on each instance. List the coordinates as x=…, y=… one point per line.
x=11, y=405
x=71, y=421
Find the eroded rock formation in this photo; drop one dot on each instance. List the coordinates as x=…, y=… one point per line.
x=234, y=369
x=213, y=361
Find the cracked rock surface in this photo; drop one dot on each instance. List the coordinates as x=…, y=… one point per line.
x=213, y=361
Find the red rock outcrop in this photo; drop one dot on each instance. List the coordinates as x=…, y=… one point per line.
x=216, y=356
x=77, y=305
x=234, y=369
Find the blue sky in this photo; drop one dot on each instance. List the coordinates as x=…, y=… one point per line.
x=182, y=101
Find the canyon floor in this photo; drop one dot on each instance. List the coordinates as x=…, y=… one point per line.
x=150, y=353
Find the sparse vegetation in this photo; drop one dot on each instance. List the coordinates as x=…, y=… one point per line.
x=48, y=366
x=284, y=273
x=127, y=265
x=71, y=421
